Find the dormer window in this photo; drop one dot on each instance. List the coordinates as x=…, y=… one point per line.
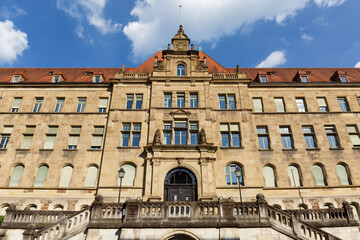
x=16, y=78
x=343, y=79
x=56, y=78
x=263, y=79
x=304, y=79
x=97, y=78
x=180, y=70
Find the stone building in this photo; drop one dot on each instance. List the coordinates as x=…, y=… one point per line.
x=181, y=126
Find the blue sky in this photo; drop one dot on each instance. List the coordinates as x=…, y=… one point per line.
x=110, y=33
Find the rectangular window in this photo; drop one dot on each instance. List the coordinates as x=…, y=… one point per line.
x=343, y=104
x=304, y=79
x=180, y=129
x=16, y=104
x=97, y=137
x=286, y=137
x=354, y=135
x=227, y=101
x=279, y=104
x=131, y=134
x=74, y=137
x=139, y=101
x=194, y=133
x=193, y=100
x=180, y=99
x=167, y=99
x=167, y=133
x=81, y=104
x=301, y=104
x=129, y=101
x=103, y=103
x=332, y=136
x=263, y=137
x=59, y=104
x=263, y=79
x=38, y=104
x=258, y=106
x=230, y=134
x=5, y=136
x=309, y=136
x=322, y=104
x=27, y=137
x=50, y=137
x=343, y=79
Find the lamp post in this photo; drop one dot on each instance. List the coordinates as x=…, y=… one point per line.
x=238, y=175
x=121, y=174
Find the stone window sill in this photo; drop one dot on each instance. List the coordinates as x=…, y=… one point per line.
x=289, y=149
x=128, y=147
x=94, y=150
x=231, y=147
x=356, y=148
x=265, y=150
x=70, y=150
x=313, y=149
x=339, y=148
x=46, y=150
x=3, y=149
x=25, y=150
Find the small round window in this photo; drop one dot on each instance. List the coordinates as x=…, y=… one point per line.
x=180, y=70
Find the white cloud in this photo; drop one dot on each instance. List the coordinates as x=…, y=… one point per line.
x=306, y=37
x=12, y=42
x=274, y=59
x=203, y=20
x=11, y=12
x=329, y=3
x=91, y=11
x=357, y=65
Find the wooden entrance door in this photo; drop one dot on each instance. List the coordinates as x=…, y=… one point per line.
x=180, y=185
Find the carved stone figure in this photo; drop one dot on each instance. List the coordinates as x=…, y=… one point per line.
x=202, y=136
x=157, y=137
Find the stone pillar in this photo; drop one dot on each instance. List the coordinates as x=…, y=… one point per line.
x=262, y=205
x=348, y=211
x=29, y=233
x=155, y=183
x=132, y=210
x=96, y=207
x=227, y=210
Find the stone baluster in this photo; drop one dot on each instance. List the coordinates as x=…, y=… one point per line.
x=262, y=204
x=29, y=233
x=348, y=211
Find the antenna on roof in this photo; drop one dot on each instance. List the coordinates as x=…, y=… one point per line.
x=179, y=14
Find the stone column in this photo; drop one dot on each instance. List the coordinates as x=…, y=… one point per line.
x=155, y=183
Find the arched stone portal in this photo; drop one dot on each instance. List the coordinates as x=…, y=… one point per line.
x=180, y=185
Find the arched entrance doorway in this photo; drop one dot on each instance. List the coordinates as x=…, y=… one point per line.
x=180, y=185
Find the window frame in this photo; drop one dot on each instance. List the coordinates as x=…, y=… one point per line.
x=282, y=101
x=16, y=107
x=256, y=101
x=229, y=104
x=303, y=106
x=81, y=104
x=333, y=134
x=130, y=132
x=37, y=104
x=96, y=135
x=262, y=135
x=58, y=104
x=181, y=70
x=230, y=173
x=344, y=106
x=286, y=136
x=74, y=135
x=310, y=134
x=354, y=133
x=230, y=133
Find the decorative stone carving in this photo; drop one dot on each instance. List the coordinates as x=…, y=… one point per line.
x=157, y=137
x=202, y=136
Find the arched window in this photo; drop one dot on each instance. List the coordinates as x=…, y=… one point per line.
x=41, y=176
x=231, y=178
x=180, y=70
x=355, y=210
x=3, y=209
x=32, y=207
x=66, y=175
x=129, y=178
x=91, y=176
x=59, y=207
x=269, y=176
x=16, y=175
x=294, y=175
x=319, y=175
x=343, y=175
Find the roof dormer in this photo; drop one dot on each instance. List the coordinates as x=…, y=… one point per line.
x=56, y=78
x=262, y=77
x=97, y=78
x=18, y=77
x=340, y=76
x=302, y=76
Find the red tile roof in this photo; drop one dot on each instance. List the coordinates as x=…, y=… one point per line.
x=78, y=75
